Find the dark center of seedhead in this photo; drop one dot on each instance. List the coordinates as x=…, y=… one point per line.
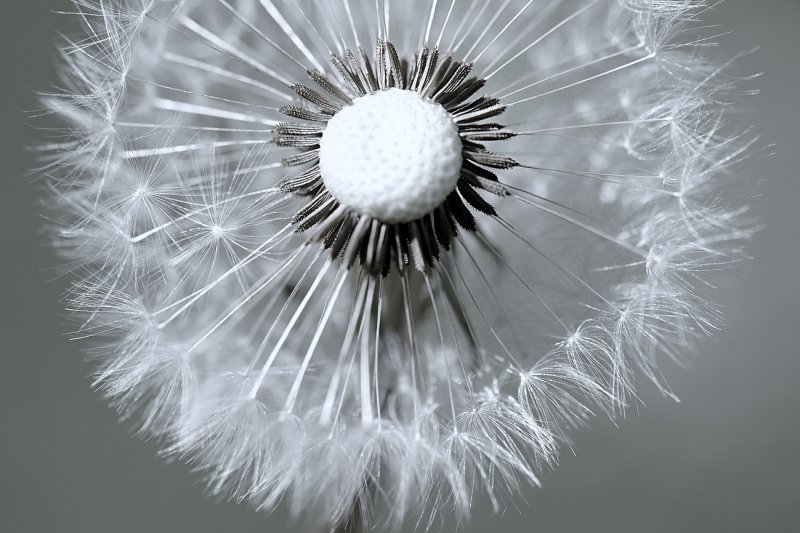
x=393, y=157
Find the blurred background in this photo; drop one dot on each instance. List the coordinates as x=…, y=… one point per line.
x=724, y=459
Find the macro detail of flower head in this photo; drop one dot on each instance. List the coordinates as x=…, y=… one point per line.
x=374, y=259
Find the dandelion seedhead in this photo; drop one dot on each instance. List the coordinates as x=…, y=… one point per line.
x=371, y=258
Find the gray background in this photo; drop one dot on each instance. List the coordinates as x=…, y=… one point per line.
x=725, y=459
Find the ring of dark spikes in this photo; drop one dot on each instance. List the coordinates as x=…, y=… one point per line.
x=354, y=237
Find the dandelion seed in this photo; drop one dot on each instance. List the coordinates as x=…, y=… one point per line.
x=371, y=258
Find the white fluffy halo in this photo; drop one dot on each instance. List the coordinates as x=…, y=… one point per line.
x=299, y=343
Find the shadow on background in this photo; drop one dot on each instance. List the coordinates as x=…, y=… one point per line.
x=723, y=460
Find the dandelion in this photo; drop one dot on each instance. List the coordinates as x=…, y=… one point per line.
x=372, y=258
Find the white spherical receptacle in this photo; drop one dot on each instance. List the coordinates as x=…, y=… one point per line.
x=392, y=155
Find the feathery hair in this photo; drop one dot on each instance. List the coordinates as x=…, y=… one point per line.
x=297, y=342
